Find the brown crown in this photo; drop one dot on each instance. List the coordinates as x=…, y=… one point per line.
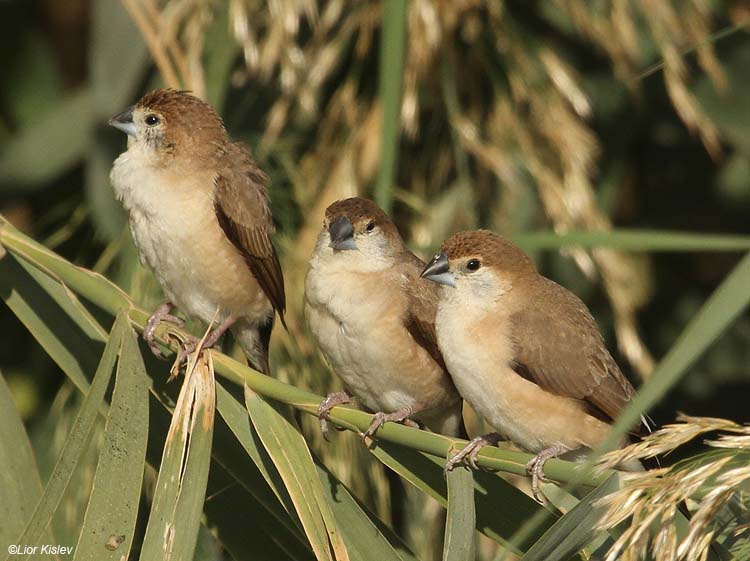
x=490, y=248
x=357, y=210
x=181, y=109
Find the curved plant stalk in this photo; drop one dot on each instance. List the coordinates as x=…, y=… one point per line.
x=101, y=292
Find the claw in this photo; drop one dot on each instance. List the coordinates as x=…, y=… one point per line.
x=162, y=313
x=324, y=409
x=380, y=418
x=535, y=468
x=470, y=452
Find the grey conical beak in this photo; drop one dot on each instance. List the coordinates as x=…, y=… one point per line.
x=438, y=270
x=124, y=122
x=342, y=233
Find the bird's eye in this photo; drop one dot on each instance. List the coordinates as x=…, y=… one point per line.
x=151, y=120
x=473, y=264
x=370, y=227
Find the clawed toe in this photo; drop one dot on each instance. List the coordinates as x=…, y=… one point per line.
x=160, y=314
x=380, y=418
x=535, y=468
x=324, y=409
x=470, y=453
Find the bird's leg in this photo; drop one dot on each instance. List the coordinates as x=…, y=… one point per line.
x=471, y=450
x=535, y=467
x=162, y=313
x=193, y=343
x=401, y=416
x=331, y=401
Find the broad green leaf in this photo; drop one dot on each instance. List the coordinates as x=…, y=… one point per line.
x=244, y=528
x=292, y=459
x=76, y=442
x=52, y=145
x=112, y=511
x=459, y=543
x=574, y=529
x=20, y=485
x=634, y=240
x=425, y=472
x=177, y=508
x=366, y=536
x=238, y=421
x=94, y=286
x=233, y=512
x=392, y=46
x=54, y=316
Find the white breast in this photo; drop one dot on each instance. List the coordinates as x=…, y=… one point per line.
x=175, y=230
x=356, y=320
x=477, y=350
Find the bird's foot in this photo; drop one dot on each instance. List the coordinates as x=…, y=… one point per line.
x=162, y=313
x=380, y=418
x=331, y=401
x=192, y=344
x=471, y=450
x=535, y=468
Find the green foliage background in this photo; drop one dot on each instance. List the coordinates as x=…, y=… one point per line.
x=545, y=121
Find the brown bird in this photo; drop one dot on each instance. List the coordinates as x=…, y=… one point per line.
x=373, y=317
x=198, y=212
x=523, y=351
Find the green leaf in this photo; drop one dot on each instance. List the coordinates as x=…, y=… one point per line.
x=237, y=420
x=112, y=511
x=54, y=316
x=75, y=444
x=292, y=459
x=459, y=543
x=634, y=240
x=573, y=530
x=20, y=484
x=366, y=536
x=392, y=46
x=51, y=146
x=174, y=521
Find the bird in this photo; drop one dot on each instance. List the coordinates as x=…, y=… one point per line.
x=524, y=352
x=373, y=318
x=199, y=214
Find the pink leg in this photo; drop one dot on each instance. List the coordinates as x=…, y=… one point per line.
x=401, y=416
x=535, y=467
x=213, y=337
x=331, y=401
x=162, y=313
x=471, y=450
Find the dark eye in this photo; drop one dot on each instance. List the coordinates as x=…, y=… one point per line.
x=473, y=264
x=370, y=227
x=151, y=120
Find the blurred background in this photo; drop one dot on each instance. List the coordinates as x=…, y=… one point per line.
x=532, y=119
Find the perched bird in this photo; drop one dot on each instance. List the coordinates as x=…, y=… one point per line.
x=523, y=351
x=198, y=211
x=373, y=317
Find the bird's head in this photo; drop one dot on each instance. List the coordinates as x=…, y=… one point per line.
x=171, y=122
x=478, y=264
x=357, y=230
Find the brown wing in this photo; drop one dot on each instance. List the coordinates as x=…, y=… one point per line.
x=420, y=316
x=558, y=346
x=241, y=205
